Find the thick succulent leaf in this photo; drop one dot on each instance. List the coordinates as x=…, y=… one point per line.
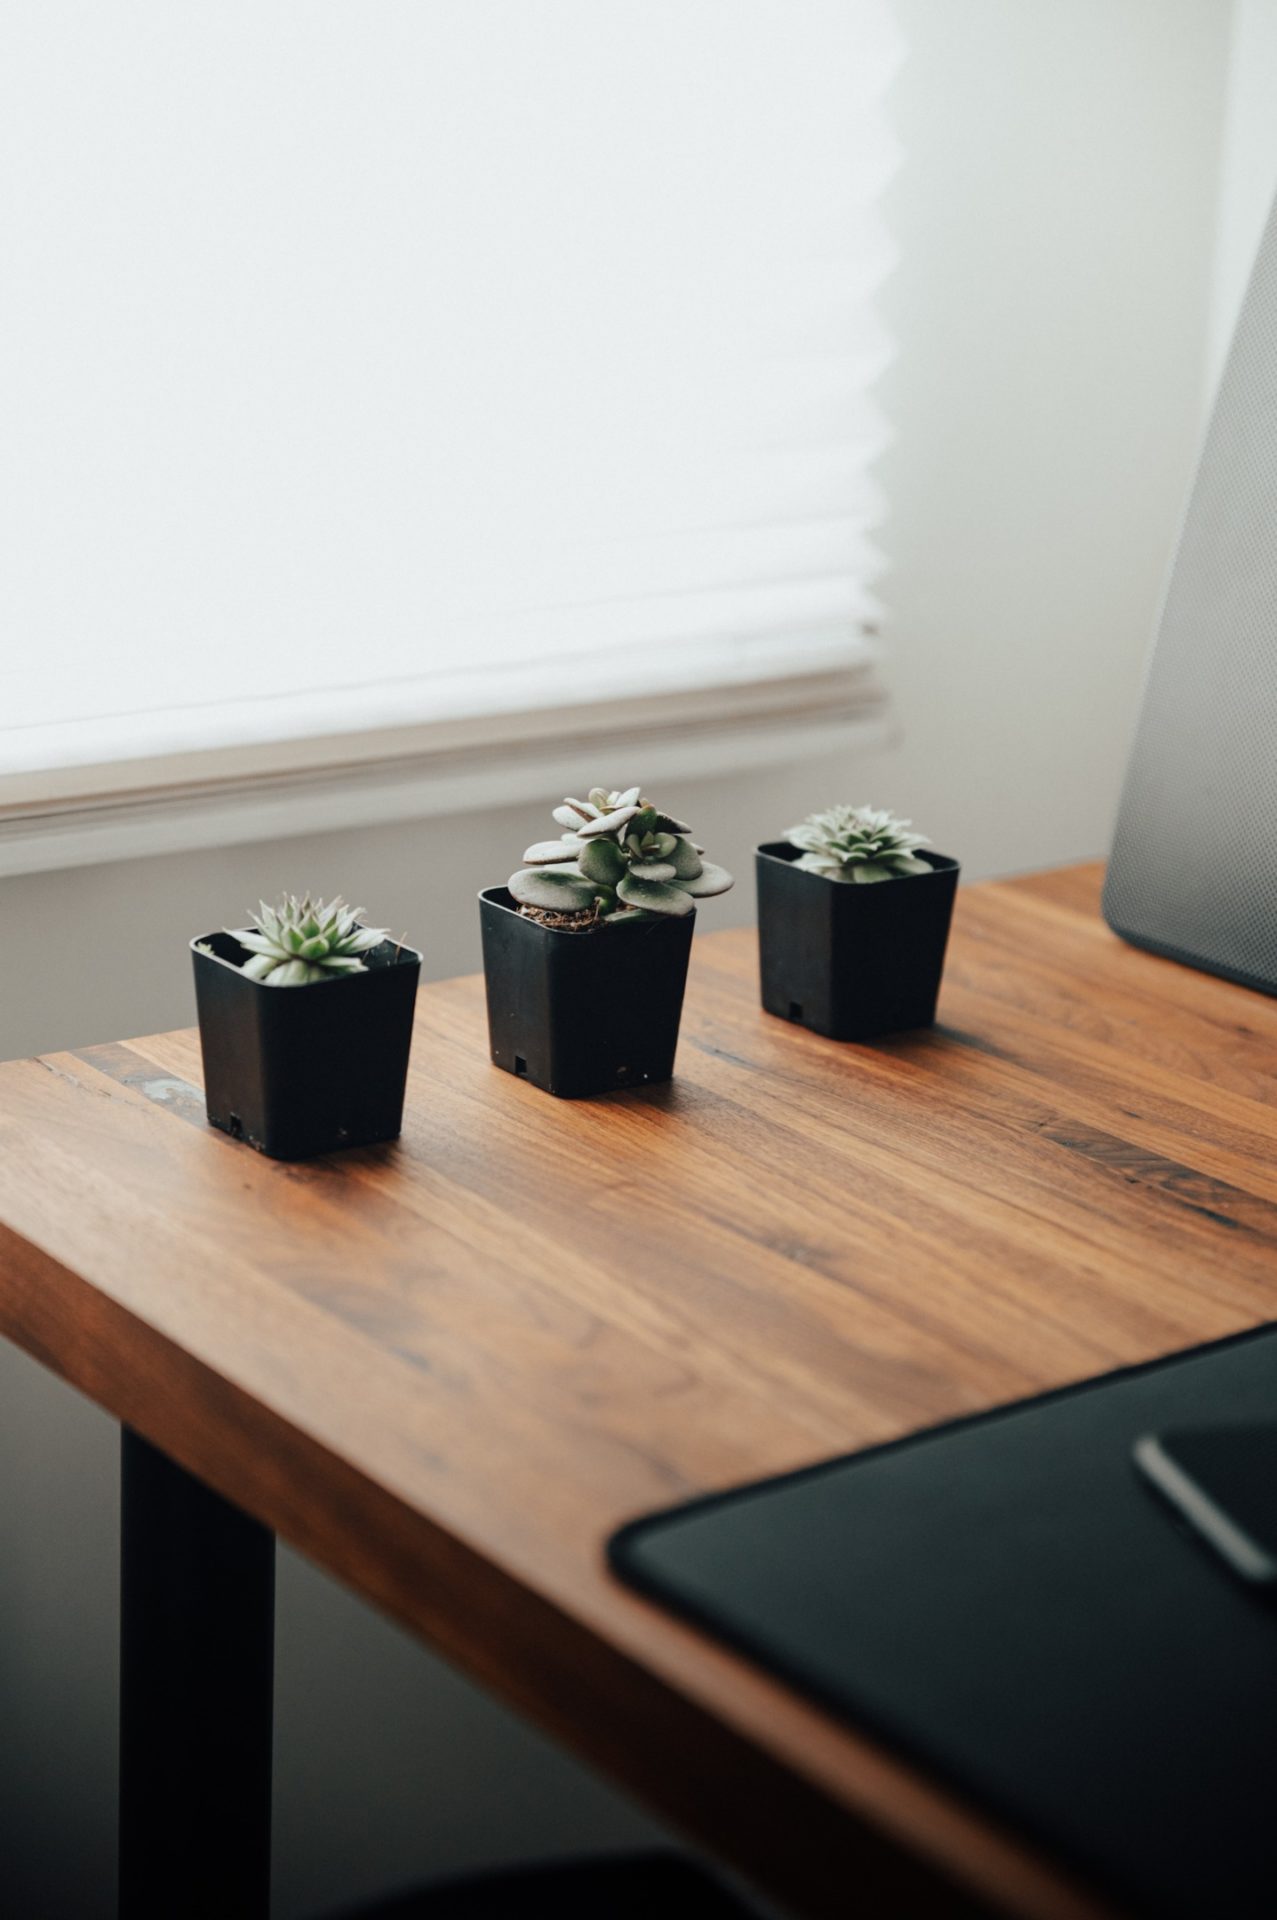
x=654, y=896
x=685, y=859
x=343, y=963
x=608, y=822
x=652, y=870
x=666, y=823
x=620, y=915
x=558, y=889
x=308, y=929
x=709, y=880
x=602, y=860
x=630, y=798
x=294, y=973
x=258, y=943
x=864, y=873
x=572, y=814
x=867, y=836
x=545, y=852
x=260, y=965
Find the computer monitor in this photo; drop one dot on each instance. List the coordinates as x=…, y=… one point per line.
x=1193, y=872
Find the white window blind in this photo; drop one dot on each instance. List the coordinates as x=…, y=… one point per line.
x=372, y=361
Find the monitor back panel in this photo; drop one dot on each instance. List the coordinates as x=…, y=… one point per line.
x=1193, y=871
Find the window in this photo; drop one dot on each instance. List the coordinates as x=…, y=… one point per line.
x=379, y=367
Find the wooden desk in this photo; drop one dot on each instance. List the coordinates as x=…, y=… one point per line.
x=447, y=1369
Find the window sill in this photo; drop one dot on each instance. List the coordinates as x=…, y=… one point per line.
x=86, y=815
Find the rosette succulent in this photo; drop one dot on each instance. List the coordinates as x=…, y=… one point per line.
x=305, y=940
x=618, y=859
x=858, y=844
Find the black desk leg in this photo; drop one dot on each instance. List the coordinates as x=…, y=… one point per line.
x=197, y=1645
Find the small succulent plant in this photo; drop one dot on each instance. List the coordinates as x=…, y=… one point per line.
x=858, y=844
x=618, y=859
x=300, y=941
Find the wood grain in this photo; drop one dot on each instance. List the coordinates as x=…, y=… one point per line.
x=448, y=1368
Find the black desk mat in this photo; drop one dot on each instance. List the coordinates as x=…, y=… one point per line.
x=1005, y=1601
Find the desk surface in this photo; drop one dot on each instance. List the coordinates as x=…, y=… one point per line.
x=448, y=1368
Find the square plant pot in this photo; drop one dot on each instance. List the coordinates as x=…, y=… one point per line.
x=296, y=1071
x=583, y=1013
x=852, y=961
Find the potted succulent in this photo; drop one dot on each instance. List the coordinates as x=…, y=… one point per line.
x=853, y=920
x=585, y=948
x=305, y=1026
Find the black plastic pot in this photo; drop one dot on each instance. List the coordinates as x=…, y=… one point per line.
x=852, y=961
x=583, y=1013
x=296, y=1071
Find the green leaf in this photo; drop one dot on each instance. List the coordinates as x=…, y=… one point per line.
x=710, y=880
x=546, y=852
x=654, y=896
x=257, y=942
x=602, y=860
x=558, y=889
x=686, y=860
x=293, y=973
x=608, y=822
x=652, y=870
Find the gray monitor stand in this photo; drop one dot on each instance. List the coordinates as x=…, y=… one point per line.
x=1193, y=872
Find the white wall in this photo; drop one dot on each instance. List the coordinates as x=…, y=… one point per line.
x=1248, y=172
x=1055, y=221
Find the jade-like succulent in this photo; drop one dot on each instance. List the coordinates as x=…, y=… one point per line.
x=858, y=844
x=619, y=859
x=301, y=941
